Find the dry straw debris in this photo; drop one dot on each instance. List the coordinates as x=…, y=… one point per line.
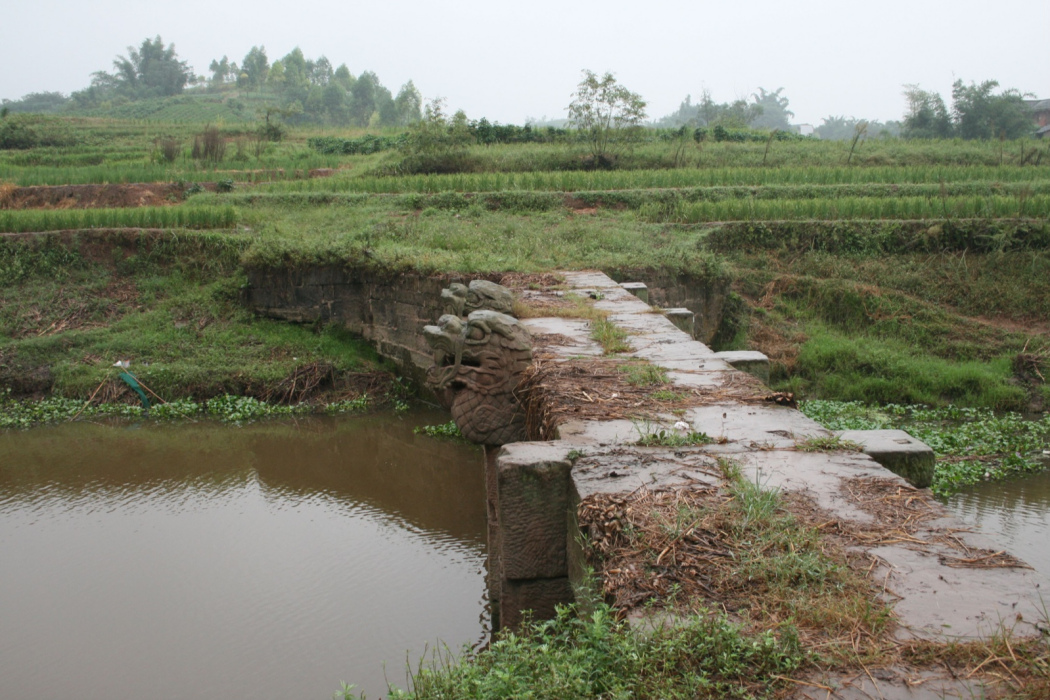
x=554, y=391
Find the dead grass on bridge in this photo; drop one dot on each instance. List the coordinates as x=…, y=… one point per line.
x=773, y=560
x=553, y=391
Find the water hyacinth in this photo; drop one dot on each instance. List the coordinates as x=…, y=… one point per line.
x=233, y=409
x=971, y=444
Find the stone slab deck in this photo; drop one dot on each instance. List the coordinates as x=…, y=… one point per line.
x=931, y=599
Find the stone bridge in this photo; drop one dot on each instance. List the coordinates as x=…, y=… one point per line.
x=581, y=425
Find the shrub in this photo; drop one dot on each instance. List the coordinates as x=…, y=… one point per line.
x=209, y=145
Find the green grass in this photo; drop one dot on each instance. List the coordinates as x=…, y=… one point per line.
x=849, y=208
x=832, y=443
x=170, y=305
x=611, y=337
x=907, y=276
x=857, y=368
x=595, y=655
x=141, y=217
x=476, y=240
x=654, y=435
x=644, y=374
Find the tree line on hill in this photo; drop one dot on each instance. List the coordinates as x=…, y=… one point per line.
x=302, y=89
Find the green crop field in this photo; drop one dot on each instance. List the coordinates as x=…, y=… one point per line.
x=895, y=271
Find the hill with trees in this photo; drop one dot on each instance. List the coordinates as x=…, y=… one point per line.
x=151, y=82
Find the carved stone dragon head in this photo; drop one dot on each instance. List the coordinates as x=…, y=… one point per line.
x=478, y=364
x=462, y=300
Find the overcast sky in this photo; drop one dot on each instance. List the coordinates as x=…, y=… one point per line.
x=511, y=60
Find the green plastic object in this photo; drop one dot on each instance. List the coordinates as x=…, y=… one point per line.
x=130, y=380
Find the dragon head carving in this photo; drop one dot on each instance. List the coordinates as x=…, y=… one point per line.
x=478, y=362
x=462, y=300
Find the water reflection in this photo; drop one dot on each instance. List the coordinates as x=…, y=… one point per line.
x=205, y=561
x=1014, y=513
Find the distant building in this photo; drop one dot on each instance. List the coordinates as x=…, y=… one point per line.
x=1041, y=115
x=805, y=129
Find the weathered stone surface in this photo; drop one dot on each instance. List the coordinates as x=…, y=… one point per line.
x=682, y=318
x=895, y=683
x=387, y=309
x=573, y=336
x=477, y=366
x=540, y=596
x=939, y=602
x=638, y=289
x=462, y=300
x=897, y=451
x=533, y=510
x=750, y=361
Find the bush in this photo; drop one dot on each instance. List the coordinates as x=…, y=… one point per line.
x=30, y=131
x=209, y=145
x=170, y=149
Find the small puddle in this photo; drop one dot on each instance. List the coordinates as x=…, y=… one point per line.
x=1015, y=514
x=209, y=561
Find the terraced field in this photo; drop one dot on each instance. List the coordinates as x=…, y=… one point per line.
x=917, y=273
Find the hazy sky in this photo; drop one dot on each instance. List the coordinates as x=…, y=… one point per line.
x=512, y=60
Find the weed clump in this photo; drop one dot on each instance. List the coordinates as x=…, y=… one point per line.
x=611, y=337
x=597, y=655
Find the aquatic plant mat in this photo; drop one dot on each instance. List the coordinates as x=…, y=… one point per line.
x=554, y=391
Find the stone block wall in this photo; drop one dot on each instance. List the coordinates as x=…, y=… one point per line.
x=389, y=309
x=704, y=297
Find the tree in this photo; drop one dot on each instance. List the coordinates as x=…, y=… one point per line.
x=437, y=142
x=344, y=77
x=976, y=113
x=335, y=98
x=775, y=113
x=363, y=96
x=409, y=104
x=608, y=114
x=321, y=72
x=222, y=72
x=927, y=117
x=979, y=114
x=153, y=70
x=255, y=67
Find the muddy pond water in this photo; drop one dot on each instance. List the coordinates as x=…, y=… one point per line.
x=207, y=561
x=1014, y=514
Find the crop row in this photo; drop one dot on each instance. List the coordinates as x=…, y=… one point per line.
x=145, y=217
x=532, y=200
x=246, y=170
x=571, y=181
x=988, y=207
